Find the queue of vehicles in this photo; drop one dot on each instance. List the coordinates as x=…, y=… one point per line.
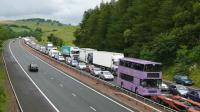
x=136, y=75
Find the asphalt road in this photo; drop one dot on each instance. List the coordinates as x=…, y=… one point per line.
x=53, y=90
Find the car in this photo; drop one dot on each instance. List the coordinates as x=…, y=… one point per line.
x=60, y=58
x=33, y=68
x=89, y=68
x=194, y=95
x=178, y=90
x=68, y=60
x=74, y=63
x=164, y=87
x=95, y=71
x=182, y=79
x=106, y=75
x=81, y=66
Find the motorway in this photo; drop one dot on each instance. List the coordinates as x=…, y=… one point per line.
x=50, y=90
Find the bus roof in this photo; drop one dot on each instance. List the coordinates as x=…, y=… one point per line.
x=139, y=61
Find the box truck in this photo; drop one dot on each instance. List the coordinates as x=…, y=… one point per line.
x=84, y=54
x=103, y=59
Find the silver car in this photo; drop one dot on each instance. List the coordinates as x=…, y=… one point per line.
x=106, y=75
x=81, y=66
x=95, y=71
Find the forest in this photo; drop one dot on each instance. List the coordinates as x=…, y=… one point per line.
x=166, y=31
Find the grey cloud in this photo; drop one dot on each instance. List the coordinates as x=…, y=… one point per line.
x=66, y=11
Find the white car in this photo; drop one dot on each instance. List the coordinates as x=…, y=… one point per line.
x=95, y=71
x=106, y=75
x=59, y=58
x=164, y=87
x=74, y=63
x=81, y=66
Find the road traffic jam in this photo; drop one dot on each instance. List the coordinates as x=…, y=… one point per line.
x=139, y=76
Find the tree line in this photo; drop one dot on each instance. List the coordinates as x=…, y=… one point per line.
x=166, y=31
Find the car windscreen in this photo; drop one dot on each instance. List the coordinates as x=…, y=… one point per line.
x=181, y=88
x=106, y=73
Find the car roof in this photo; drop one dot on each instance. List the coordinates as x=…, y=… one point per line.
x=33, y=64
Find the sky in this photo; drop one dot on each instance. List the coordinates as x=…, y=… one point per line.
x=65, y=11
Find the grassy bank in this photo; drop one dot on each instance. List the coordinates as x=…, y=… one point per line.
x=65, y=32
x=193, y=74
x=4, y=94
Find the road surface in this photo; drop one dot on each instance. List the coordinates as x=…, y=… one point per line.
x=50, y=90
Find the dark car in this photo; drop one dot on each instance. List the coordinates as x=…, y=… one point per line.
x=182, y=79
x=194, y=95
x=178, y=90
x=33, y=68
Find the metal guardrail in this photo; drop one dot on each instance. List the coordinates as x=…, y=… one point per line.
x=132, y=94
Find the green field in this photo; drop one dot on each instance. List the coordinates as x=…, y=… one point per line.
x=65, y=32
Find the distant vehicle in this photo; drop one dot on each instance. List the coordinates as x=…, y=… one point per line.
x=140, y=76
x=178, y=90
x=74, y=63
x=37, y=47
x=59, y=57
x=103, y=59
x=194, y=95
x=68, y=60
x=89, y=68
x=42, y=49
x=106, y=75
x=164, y=87
x=33, y=68
x=49, y=46
x=69, y=51
x=81, y=66
x=182, y=79
x=95, y=71
x=84, y=54
x=52, y=53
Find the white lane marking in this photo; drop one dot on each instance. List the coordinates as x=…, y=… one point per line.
x=61, y=85
x=51, y=78
x=93, y=108
x=82, y=83
x=12, y=85
x=73, y=94
x=33, y=81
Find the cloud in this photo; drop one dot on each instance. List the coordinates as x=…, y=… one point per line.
x=66, y=11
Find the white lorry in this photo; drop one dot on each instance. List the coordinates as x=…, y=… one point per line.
x=107, y=60
x=84, y=54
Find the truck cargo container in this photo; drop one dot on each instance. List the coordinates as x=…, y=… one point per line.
x=84, y=54
x=69, y=51
x=103, y=59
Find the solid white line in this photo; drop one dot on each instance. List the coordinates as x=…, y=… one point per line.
x=33, y=81
x=81, y=83
x=93, y=108
x=20, y=107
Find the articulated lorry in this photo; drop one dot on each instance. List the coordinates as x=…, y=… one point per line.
x=106, y=60
x=69, y=51
x=84, y=54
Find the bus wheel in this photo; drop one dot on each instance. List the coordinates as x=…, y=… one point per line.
x=136, y=90
x=122, y=84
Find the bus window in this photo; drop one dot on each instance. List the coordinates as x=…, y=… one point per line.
x=126, y=77
x=151, y=83
x=153, y=68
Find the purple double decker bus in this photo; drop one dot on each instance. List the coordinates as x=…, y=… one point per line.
x=140, y=76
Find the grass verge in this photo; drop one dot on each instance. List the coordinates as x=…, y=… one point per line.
x=5, y=93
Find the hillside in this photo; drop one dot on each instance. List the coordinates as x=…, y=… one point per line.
x=165, y=31
x=64, y=32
